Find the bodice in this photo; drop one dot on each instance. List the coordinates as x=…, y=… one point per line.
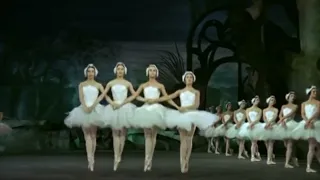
x=90, y=94
x=119, y=92
x=187, y=98
x=239, y=116
x=253, y=115
x=151, y=92
x=226, y=118
x=309, y=110
x=269, y=115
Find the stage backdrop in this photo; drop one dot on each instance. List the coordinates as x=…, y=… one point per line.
x=45, y=49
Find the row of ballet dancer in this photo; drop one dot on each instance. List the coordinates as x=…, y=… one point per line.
x=244, y=124
x=121, y=114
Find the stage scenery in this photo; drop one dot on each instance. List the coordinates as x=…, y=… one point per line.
x=237, y=49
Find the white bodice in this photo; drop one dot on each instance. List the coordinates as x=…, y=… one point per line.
x=90, y=94
x=286, y=111
x=226, y=118
x=151, y=92
x=239, y=116
x=269, y=115
x=187, y=98
x=309, y=110
x=119, y=93
x=253, y=115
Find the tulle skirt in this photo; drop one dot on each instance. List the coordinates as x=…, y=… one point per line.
x=233, y=131
x=287, y=131
x=270, y=134
x=119, y=118
x=4, y=129
x=255, y=133
x=208, y=132
x=79, y=118
x=200, y=119
x=148, y=116
x=221, y=130
x=300, y=132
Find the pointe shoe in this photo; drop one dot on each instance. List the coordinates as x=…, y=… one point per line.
x=115, y=165
x=147, y=166
x=246, y=154
x=270, y=162
x=258, y=155
x=241, y=157
x=253, y=159
x=309, y=170
x=91, y=167
x=217, y=152
x=227, y=154
x=295, y=162
x=209, y=151
x=288, y=166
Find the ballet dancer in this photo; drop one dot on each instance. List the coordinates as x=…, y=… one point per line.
x=213, y=132
x=286, y=125
x=89, y=114
x=208, y=133
x=151, y=115
x=309, y=127
x=188, y=118
x=227, y=119
x=253, y=128
x=270, y=115
x=239, y=118
x=4, y=128
x=118, y=114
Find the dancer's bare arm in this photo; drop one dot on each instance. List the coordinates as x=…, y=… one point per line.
x=170, y=101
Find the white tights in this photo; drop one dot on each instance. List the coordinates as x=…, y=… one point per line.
x=90, y=137
x=186, y=138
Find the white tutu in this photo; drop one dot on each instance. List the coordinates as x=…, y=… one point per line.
x=269, y=134
x=300, y=132
x=119, y=118
x=233, y=131
x=221, y=130
x=148, y=116
x=78, y=118
x=246, y=132
x=200, y=119
x=285, y=133
x=208, y=133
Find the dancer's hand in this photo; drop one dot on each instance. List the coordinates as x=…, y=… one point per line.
x=311, y=125
x=307, y=125
x=251, y=126
x=238, y=125
x=182, y=109
x=115, y=105
x=284, y=124
x=86, y=109
x=151, y=101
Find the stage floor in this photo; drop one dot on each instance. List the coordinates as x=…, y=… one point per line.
x=165, y=166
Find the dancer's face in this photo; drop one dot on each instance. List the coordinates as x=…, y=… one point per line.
x=256, y=101
x=218, y=109
x=189, y=79
x=243, y=105
x=120, y=70
x=91, y=73
x=313, y=93
x=152, y=72
x=291, y=98
x=272, y=101
x=229, y=107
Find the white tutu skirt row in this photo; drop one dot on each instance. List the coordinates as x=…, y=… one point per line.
x=148, y=116
x=300, y=132
x=233, y=131
x=200, y=119
x=285, y=132
x=79, y=118
x=255, y=133
x=4, y=129
x=119, y=118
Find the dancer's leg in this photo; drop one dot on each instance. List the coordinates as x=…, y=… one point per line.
x=293, y=154
x=270, y=153
x=210, y=145
x=311, y=152
x=289, y=145
x=93, y=135
x=116, y=148
x=227, y=140
x=183, y=148
x=190, y=135
x=123, y=135
x=148, y=147
x=154, y=142
x=217, y=142
x=241, y=149
x=254, y=147
x=88, y=140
